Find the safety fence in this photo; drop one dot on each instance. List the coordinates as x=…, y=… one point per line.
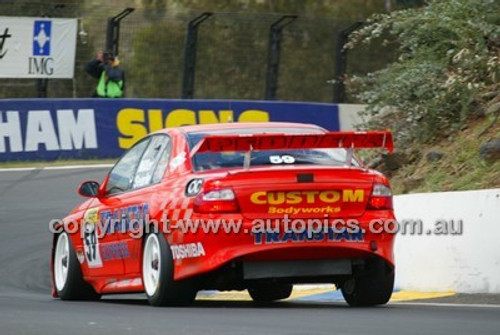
x=171, y=51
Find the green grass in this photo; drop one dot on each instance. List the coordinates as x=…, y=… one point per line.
x=461, y=168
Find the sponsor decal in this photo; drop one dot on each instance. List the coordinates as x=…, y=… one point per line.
x=331, y=235
x=177, y=161
x=126, y=219
x=193, y=187
x=303, y=210
x=187, y=250
x=112, y=251
x=304, y=199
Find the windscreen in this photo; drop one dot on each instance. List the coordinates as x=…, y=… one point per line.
x=232, y=159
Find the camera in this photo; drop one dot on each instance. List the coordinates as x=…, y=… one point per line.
x=106, y=56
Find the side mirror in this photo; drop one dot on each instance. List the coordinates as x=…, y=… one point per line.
x=89, y=189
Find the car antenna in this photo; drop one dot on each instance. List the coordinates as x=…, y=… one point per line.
x=248, y=158
x=349, y=154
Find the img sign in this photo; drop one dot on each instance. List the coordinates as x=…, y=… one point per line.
x=42, y=62
x=37, y=48
x=47, y=129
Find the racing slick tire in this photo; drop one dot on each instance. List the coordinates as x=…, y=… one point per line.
x=372, y=289
x=158, y=275
x=270, y=293
x=68, y=278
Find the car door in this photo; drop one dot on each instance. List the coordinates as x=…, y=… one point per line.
x=143, y=195
x=103, y=252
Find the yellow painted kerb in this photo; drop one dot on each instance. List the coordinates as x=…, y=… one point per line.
x=396, y=296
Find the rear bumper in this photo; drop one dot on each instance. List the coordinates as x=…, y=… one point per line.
x=200, y=252
x=296, y=269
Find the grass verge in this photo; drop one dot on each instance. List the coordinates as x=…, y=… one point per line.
x=461, y=167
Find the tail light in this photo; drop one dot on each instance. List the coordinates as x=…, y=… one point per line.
x=216, y=201
x=381, y=197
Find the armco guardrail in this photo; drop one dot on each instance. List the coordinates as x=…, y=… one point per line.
x=47, y=129
x=468, y=262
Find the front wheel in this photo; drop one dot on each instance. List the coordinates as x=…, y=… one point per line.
x=68, y=278
x=269, y=293
x=371, y=289
x=158, y=275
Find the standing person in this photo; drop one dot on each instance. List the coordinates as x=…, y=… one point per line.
x=111, y=77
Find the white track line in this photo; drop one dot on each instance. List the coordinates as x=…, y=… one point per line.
x=69, y=167
x=17, y=169
x=62, y=167
x=437, y=304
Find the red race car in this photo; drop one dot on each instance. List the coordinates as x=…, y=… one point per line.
x=256, y=206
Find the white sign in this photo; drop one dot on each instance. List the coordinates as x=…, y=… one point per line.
x=37, y=47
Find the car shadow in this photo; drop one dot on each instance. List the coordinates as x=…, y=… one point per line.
x=140, y=300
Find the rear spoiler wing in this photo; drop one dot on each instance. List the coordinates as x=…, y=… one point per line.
x=250, y=142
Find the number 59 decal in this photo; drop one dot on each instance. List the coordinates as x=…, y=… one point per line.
x=91, y=240
x=281, y=159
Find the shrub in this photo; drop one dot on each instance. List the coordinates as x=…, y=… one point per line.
x=448, y=54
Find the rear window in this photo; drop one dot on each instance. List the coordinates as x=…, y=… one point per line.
x=217, y=160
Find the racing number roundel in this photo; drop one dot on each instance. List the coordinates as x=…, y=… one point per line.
x=91, y=239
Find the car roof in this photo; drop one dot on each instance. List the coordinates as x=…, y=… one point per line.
x=244, y=125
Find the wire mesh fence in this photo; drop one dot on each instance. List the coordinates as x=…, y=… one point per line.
x=232, y=53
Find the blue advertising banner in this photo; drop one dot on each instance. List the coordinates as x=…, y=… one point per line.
x=49, y=129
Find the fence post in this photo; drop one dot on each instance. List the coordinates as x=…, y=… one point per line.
x=113, y=30
x=341, y=62
x=190, y=46
x=273, y=54
x=41, y=87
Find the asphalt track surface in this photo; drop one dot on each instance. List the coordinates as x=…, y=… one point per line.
x=29, y=199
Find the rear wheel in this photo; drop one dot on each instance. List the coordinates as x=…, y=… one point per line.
x=372, y=289
x=158, y=275
x=68, y=278
x=269, y=293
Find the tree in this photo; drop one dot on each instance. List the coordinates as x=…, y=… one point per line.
x=448, y=55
